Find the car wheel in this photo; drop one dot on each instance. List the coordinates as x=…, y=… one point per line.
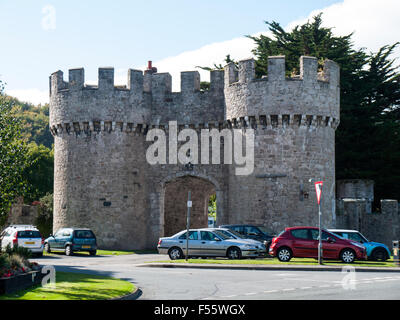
x=92, y=253
x=234, y=253
x=347, y=256
x=68, y=251
x=47, y=248
x=379, y=254
x=175, y=253
x=284, y=254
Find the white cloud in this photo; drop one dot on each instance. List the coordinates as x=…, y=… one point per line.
x=34, y=96
x=374, y=23
x=206, y=56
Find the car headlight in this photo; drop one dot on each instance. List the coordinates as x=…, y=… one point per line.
x=249, y=246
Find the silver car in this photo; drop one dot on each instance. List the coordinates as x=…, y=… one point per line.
x=262, y=249
x=206, y=243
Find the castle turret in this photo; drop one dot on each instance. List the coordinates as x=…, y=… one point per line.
x=294, y=121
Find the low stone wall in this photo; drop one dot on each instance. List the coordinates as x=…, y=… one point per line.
x=383, y=226
x=23, y=214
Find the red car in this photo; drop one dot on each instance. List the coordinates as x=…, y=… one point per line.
x=302, y=242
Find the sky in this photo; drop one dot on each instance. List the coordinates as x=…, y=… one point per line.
x=41, y=37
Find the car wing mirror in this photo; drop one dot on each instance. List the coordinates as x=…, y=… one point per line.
x=217, y=239
x=330, y=240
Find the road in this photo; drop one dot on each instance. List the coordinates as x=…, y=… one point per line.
x=211, y=284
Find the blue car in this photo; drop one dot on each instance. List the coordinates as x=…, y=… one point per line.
x=70, y=240
x=375, y=250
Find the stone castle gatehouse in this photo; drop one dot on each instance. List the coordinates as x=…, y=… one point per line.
x=103, y=180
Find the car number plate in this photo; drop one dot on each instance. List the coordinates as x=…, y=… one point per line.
x=29, y=242
x=85, y=247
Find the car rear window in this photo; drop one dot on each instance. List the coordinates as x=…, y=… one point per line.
x=29, y=234
x=83, y=234
x=300, y=233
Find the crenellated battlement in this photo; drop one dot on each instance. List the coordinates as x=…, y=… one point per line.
x=245, y=72
x=310, y=92
x=234, y=93
x=157, y=83
x=146, y=98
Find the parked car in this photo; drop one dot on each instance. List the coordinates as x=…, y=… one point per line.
x=26, y=236
x=302, y=242
x=235, y=235
x=375, y=250
x=71, y=240
x=258, y=233
x=206, y=243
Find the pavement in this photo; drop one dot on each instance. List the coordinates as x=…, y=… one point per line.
x=158, y=279
x=267, y=267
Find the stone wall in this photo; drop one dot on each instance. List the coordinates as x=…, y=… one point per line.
x=21, y=213
x=382, y=226
x=356, y=214
x=103, y=180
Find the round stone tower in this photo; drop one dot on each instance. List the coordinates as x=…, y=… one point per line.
x=294, y=121
x=97, y=183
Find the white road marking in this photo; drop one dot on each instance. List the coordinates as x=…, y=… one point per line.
x=270, y=291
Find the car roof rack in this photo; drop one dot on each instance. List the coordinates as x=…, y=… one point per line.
x=22, y=226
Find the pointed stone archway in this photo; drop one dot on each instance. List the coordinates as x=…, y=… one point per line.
x=174, y=202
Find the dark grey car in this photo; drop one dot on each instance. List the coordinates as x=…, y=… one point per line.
x=206, y=243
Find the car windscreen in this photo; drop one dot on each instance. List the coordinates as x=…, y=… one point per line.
x=221, y=235
x=229, y=234
x=237, y=234
x=264, y=230
x=83, y=234
x=29, y=234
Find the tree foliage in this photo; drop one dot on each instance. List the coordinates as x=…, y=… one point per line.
x=367, y=140
x=13, y=160
x=39, y=174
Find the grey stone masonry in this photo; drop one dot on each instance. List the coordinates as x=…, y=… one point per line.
x=102, y=178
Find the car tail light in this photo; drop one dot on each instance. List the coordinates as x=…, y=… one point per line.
x=159, y=242
x=15, y=240
x=42, y=240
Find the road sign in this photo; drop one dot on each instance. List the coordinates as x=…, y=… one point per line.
x=318, y=189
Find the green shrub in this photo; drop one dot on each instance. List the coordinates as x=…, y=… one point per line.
x=23, y=252
x=17, y=261
x=4, y=262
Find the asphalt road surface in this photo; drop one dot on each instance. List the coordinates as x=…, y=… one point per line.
x=213, y=284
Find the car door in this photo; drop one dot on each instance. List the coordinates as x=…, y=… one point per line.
x=304, y=245
x=56, y=241
x=209, y=246
x=194, y=243
x=330, y=250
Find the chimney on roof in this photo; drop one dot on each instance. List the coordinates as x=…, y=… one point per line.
x=150, y=68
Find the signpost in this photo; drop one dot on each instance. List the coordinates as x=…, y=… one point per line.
x=318, y=190
x=189, y=205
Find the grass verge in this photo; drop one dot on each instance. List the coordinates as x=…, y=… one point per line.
x=294, y=261
x=106, y=252
x=76, y=286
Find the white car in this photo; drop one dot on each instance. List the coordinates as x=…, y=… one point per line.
x=26, y=236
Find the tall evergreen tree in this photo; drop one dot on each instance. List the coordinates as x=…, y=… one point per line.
x=367, y=140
